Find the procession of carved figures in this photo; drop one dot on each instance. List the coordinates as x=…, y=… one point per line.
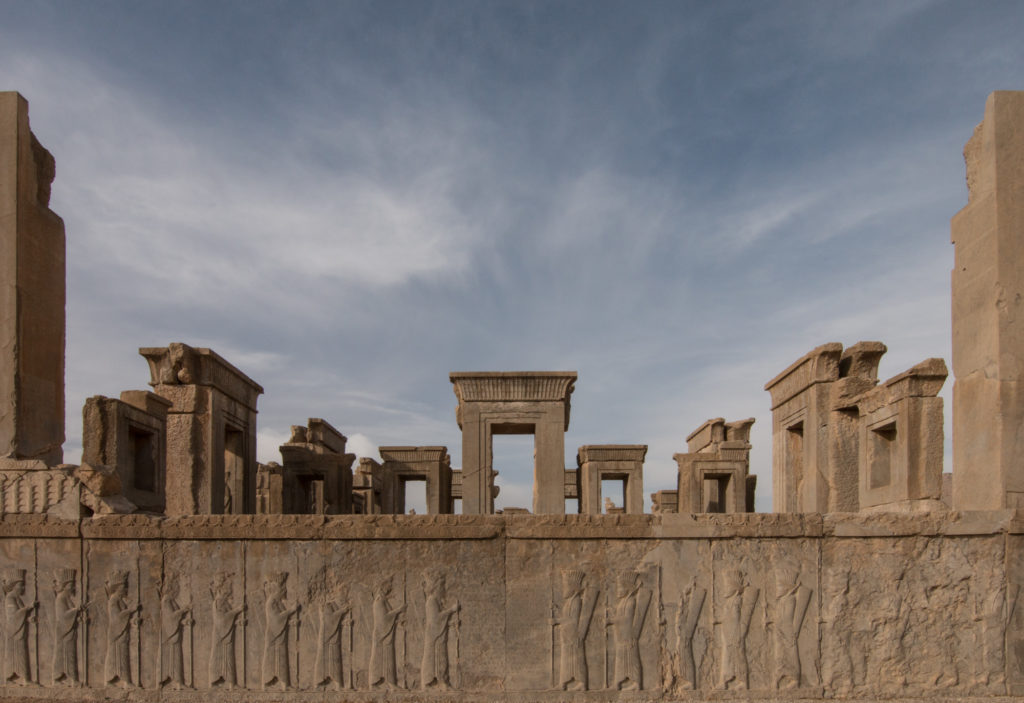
x=905, y=615
x=334, y=622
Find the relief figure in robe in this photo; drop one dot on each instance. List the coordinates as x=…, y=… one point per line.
x=117, y=668
x=277, y=665
x=990, y=612
x=738, y=600
x=67, y=619
x=17, y=617
x=573, y=623
x=627, y=622
x=837, y=651
x=789, y=609
x=329, y=669
x=383, y=661
x=690, y=605
x=175, y=621
x=226, y=620
x=434, y=672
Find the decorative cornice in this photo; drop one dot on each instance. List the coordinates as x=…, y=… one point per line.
x=485, y=386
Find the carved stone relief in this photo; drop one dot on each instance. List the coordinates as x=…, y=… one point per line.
x=691, y=605
x=627, y=622
x=226, y=619
x=69, y=617
x=572, y=624
x=121, y=620
x=891, y=618
x=277, y=662
x=334, y=642
x=176, y=638
x=737, y=598
x=787, y=619
x=18, y=616
x=387, y=639
x=441, y=621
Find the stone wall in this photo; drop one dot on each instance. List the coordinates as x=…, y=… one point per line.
x=746, y=606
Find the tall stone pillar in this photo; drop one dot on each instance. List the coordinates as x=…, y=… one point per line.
x=32, y=294
x=988, y=314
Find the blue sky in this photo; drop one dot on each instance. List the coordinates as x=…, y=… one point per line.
x=351, y=200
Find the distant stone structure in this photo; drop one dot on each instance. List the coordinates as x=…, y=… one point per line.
x=714, y=475
x=170, y=566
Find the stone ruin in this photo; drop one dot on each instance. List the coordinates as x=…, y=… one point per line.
x=169, y=565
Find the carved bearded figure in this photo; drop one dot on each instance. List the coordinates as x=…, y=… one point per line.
x=383, y=666
x=627, y=623
x=173, y=621
x=738, y=600
x=690, y=605
x=791, y=600
x=66, y=618
x=223, y=665
x=17, y=617
x=436, y=623
x=329, y=669
x=277, y=668
x=573, y=625
x=836, y=643
x=117, y=661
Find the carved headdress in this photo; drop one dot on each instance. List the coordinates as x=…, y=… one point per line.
x=62, y=577
x=573, y=580
x=433, y=579
x=117, y=580
x=628, y=580
x=13, y=578
x=277, y=581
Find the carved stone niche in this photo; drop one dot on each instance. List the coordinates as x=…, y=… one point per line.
x=901, y=438
x=316, y=472
x=211, y=430
x=429, y=464
x=813, y=398
x=130, y=435
x=611, y=462
x=714, y=475
x=513, y=402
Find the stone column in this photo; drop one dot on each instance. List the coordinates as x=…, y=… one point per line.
x=32, y=294
x=988, y=314
x=549, y=461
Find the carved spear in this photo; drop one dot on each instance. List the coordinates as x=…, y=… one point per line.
x=138, y=629
x=607, y=639
x=554, y=634
x=457, y=676
x=347, y=641
x=83, y=630
x=401, y=624
x=190, y=624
